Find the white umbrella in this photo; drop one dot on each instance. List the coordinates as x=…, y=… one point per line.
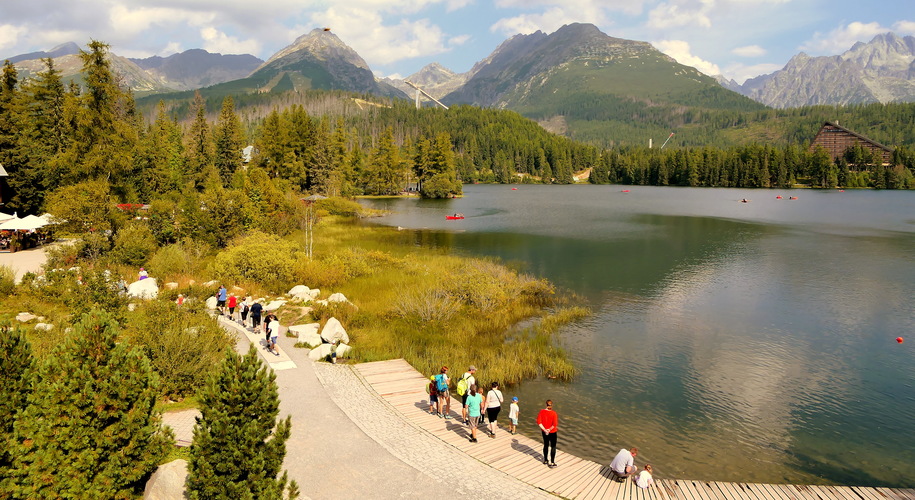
x=30, y=222
x=5, y=217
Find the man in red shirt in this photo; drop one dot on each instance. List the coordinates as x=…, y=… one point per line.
x=548, y=421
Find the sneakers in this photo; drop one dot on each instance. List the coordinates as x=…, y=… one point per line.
x=546, y=463
x=447, y=417
x=473, y=440
x=552, y=465
x=492, y=435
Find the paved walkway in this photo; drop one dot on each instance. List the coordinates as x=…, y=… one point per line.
x=25, y=261
x=347, y=442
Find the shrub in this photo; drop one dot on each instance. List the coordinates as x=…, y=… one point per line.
x=184, y=344
x=343, y=311
x=259, y=258
x=172, y=260
x=339, y=206
x=7, y=280
x=426, y=305
x=133, y=244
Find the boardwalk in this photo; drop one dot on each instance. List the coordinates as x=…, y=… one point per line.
x=519, y=456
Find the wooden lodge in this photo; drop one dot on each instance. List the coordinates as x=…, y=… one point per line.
x=836, y=139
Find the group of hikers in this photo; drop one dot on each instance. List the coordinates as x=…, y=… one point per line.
x=248, y=313
x=476, y=409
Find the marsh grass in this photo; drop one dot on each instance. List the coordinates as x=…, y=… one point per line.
x=436, y=309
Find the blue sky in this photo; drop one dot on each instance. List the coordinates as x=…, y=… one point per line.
x=736, y=38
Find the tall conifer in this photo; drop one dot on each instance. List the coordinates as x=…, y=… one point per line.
x=15, y=362
x=90, y=429
x=236, y=452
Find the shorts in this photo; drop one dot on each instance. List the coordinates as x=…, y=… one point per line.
x=273, y=339
x=433, y=398
x=444, y=394
x=220, y=303
x=514, y=420
x=464, y=398
x=474, y=422
x=492, y=413
x=231, y=310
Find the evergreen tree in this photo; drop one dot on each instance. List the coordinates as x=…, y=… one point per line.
x=199, y=148
x=233, y=454
x=90, y=429
x=384, y=173
x=15, y=362
x=229, y=141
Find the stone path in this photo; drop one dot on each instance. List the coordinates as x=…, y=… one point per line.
x=347, y=442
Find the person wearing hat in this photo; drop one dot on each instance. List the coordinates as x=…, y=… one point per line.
x=471, y=380
x=143, y=274
x=513, y=411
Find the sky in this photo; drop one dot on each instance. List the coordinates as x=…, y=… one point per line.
x=736, y=38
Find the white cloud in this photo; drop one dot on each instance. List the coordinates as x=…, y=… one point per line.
x=740, y=73
x=904, y=28
x=842, y=38
x=217, y=41
x=551, y=19
x=679, y=50
x=749, y=51
x=9, y=35
x=582, y=6
x=458, y=40
x=671, y=15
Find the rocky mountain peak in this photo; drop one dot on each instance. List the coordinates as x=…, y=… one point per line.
x=323, y=45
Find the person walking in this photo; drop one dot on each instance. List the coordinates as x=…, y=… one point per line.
x=548, y=421
x=221, y=299
x=245, y=306
x=622, y=465
x=273, y=329
x=494, y=401
x=444, y=393
x=474, y=408
x=232, y=303
x=467, y=379
x=255, y=312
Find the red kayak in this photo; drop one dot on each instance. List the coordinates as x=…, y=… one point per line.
x=454, y=217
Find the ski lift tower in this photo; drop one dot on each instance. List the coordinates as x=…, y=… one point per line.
x=423, y=92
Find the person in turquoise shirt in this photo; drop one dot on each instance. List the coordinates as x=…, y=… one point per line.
x=474, y=407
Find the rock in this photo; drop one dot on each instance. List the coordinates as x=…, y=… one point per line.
x=320, y=352
x=167, y=483
x=171, y=285
x=45, y=327
x=296, y=290
x=25, y=317
x=211, y=302
x=303, y=293
x=131, y=307
x=311, y=339
x=309, y=329
x=342, y=349
x=334, y=332
x=143, y=289
x=338, y=297
x=237, y=290
x=211, y=283
x=274, y=305
x=322, y=302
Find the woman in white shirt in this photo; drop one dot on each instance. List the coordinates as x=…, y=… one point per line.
x=493, y=407
x=645, y=480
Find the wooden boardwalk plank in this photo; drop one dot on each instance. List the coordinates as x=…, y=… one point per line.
x=401, y=386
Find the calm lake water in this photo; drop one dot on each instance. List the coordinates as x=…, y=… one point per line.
x=730, y=341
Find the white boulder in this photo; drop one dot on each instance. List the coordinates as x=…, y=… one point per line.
x=338, y=297
x=320, y=352
x=143, y=289
x=44, y=327
x=297, y=290
x=274, y=305
x=311, y=339
x=342, y=349
x=211, y=302
x=303, y=293
x=171, y=285
x=167, y=482
x=131, y=307
x=334, y=332
x=25, y=317
x=211, y=283
x=301, y=330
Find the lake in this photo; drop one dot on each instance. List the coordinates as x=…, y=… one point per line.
x=751, y=342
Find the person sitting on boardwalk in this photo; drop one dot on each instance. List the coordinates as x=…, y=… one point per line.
x=444, y=394
x=548, y=421
x=474, y=408
x=622, y=465
x=645, y=480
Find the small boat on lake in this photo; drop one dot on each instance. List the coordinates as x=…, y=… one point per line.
x=454, y=217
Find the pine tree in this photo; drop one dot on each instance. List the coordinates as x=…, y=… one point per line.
x=199, y=148
x=384, y=173
x=15, y=362
x=90, y=429
x=229, y=141
x=233, y=454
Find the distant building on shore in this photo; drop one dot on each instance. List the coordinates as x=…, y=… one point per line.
x=836, y=139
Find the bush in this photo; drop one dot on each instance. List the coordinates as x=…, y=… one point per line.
x=7, y=280
x=426, y=305
x=339, y=206
x=259, y=258
x=172, y=260
x=133, y=244
x=183, y=343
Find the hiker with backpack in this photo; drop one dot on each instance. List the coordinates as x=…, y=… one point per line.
x=444, y=394
x=467, y=380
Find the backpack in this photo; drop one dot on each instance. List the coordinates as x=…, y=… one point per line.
x=440, y=383
x=462, y=385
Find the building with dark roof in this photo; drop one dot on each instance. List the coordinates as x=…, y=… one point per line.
x=836, y=139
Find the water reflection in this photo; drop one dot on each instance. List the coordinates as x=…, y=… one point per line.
x=746, y=343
